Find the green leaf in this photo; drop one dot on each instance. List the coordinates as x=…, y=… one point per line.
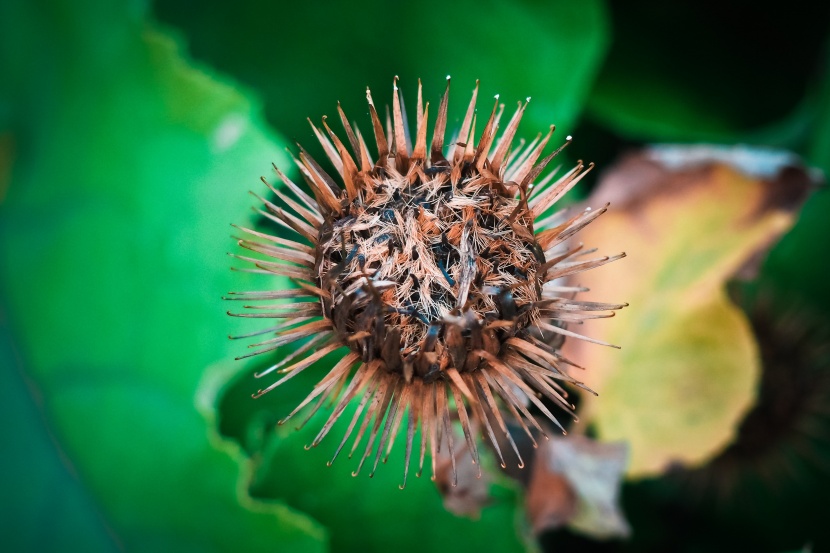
x=39, y=487
x=800, y=262
x=361, y=513
x=690, y=74
x=113, y=230
x=304, y=59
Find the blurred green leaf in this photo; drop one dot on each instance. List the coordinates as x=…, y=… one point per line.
x=281, y=468
x=304, y=59
x=112, y=234
x=800, y=262
x=819, y=148
x=716, y=74
x=363, y=513
x=39, y=488
x=669, y=111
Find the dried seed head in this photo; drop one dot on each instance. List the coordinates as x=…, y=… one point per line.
x=426, y=268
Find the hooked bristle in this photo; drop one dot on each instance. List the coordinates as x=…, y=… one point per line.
x=432, y=275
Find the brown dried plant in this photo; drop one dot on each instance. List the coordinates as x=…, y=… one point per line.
x=436, y=271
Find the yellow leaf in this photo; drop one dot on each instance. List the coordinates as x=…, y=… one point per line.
x=689, y=365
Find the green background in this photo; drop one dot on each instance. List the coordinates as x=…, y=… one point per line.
x=129, y=136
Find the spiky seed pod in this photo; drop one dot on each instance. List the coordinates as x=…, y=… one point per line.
x=425, y=267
